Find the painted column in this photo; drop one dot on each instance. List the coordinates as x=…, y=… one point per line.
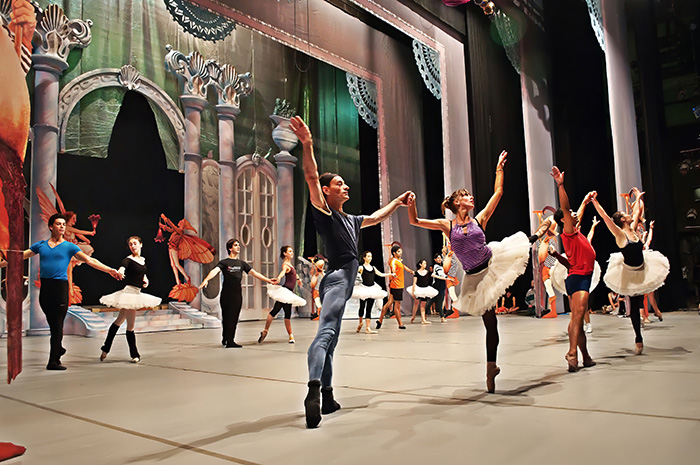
x=58, y=38
x=621, y=99
x=229, y=86
x=193, y=72
x=285, y=140
x=193, y=177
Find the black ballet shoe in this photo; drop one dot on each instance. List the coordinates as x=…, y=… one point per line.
x=328, y=404
x=379, y=324
x=589, y=363
x=402, y=327
x=56, y=367
x=233, y=345
x=312, y=404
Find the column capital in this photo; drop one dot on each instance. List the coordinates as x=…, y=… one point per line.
x=227, y=112
x=286, y=158
x=59, y=35
x=193, y=102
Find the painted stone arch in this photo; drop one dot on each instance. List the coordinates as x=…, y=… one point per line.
x=128, y=78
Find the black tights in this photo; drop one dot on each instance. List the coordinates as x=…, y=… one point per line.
x=366, y=308
x=634, y=303
x=281, y=306
x=53, y=298
x=492, y=339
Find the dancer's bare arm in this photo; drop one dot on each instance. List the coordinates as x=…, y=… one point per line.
x=98, y=265
x=483, y=216
x=564, y=204
x=386, y=211
x=650, y=234
x=440, y=224
x=214, y=271
x=637, y=208
x=311, y=175
x=620, y=236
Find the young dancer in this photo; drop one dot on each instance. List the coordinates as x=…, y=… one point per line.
x=129, y=299
x=284, y=295
x=632, y=272
x=581, y=258
x=55, y=254
x=421, y=290
x=368, y=290
x=396, y=286
x=340, y=233
x=318, y=274
x=489, y=269
x=439, y=284
x=231, y=296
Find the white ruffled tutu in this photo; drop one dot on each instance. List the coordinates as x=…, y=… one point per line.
x=558, y=274
x=284, y=295
x=629, y=281
x=363, y=292
x=130, y=298
x=480, y=291
x=422, y=292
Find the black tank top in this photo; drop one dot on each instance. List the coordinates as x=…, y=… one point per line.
x=632, y=253
x=367, y=276
x=423, y=281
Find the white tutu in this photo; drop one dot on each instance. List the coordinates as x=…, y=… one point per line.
x=363, y=292
x=628, y=281
x=422, y=292
x=131, y=298
x=558, y=274
x=480, y=291
x=284, y=295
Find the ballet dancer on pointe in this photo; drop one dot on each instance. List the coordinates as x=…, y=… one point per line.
x=368, y=290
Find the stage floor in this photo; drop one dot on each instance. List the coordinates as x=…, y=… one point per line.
x=409, y=397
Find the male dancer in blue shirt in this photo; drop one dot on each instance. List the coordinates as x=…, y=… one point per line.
x=340, y=233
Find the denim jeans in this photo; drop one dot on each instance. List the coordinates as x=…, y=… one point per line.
x=335, y=289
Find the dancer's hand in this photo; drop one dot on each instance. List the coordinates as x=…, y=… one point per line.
x=502, y=158
x=557, y=175
x=594, y=196
x=301, y=130
x=204, y=284
x=589, y=196
x=637, y=193
x=115, y=274
x=651, y=224
x=404, y=198
x=411, y=199
x=595, y=221
x=274, y=281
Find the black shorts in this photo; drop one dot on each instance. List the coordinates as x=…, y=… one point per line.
x=578, y=282
x=397, y=294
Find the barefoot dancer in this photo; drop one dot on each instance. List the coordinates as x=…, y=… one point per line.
x=340, y=233
x=489, y=269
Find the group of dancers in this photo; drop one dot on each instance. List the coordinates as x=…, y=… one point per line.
x=489, y=269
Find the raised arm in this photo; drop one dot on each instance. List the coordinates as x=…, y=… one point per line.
x=564, y=204
x=483, y=216
x=582, y=209
x=637, y=208
x=439, y=225
x=98, y=265
x=311, y=175
x=620, y=237
x=650, y=234
x=212, y=274
x=591, y=233
x=386, y=211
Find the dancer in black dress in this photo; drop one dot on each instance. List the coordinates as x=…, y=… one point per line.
x=368, y=290
x=129, y=299
x=231, y=297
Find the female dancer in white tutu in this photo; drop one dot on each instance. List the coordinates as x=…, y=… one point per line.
x=421, y=290
x=284, y=295
x=368, y=290
x=489, y=269
x=633, y=271
x=129, y=299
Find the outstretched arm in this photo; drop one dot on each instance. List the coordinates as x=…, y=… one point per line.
x=564, y=204
x=591, y=233
x=483, y=216
x=25, y=255
x=582, y=208
x=261, y=277
x=382, y=274
x=637, y=208
x=311, y=175
x=214, y=271
x=620, y=237
x=386, y=211
x=650, y=234
x=98, y=265
x=439, y=225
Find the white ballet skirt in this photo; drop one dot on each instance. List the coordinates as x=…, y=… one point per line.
x=130, y=298
x=284, y=295
x=422, y=292
x=362, y=292
x=480, y=291
x=558, y=274
x=630, y=281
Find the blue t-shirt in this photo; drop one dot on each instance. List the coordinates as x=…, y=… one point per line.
x=340, y=233
x=53, y=262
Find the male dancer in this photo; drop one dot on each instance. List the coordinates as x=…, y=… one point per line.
x=340, y=233
x=581, y=257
